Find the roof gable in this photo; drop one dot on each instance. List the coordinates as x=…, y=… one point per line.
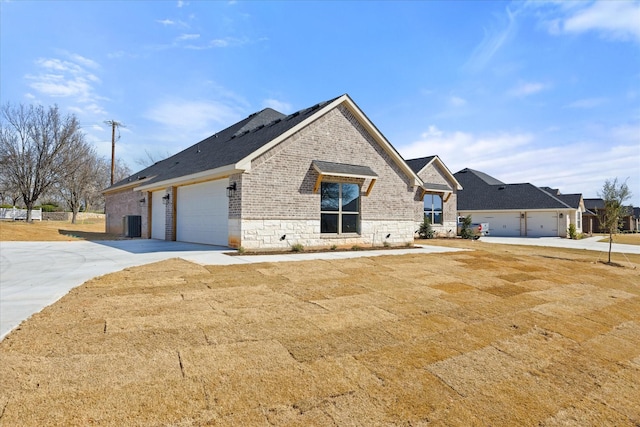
x=422, y=163
x=232, y=149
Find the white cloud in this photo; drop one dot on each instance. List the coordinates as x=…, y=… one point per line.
x=456, y=101
x=515, y=157
x=492, y=42
x=188, y=121
x=587, y=103
x=70, y=79
x=188, y=37
x=166, y=22
x=281, y=106
x=612, y=20
x=618, y=20
x=527, y=88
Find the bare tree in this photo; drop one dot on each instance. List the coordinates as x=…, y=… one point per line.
x=78, y=182
x=94, y=199
x=614, y=195
x=36, y=146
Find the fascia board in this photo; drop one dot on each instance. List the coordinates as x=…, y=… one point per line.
x=208, y=175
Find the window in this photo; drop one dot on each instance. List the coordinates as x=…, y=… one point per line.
x=339, y=208
x=433, y=208
x=579, y=221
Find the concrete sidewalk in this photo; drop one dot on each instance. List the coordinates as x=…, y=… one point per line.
x=590, y=243
x=34, y=275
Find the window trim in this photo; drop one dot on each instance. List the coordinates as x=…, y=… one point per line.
x=339, y=212
x=432, y=212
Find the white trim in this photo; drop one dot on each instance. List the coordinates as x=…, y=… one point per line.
x=208, y=175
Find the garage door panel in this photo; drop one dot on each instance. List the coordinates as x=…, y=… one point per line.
x=501, y=224
x=202, y=213
x=158, y=215
x=542, y=224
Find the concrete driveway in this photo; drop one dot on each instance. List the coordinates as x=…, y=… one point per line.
x=34, y=275
x=590, y=243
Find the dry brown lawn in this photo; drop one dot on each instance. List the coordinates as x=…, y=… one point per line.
x=499, y=335
x=627, y=238
x=45, y=231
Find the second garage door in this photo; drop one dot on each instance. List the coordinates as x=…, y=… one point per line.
x=542, y=224
x=202, y=213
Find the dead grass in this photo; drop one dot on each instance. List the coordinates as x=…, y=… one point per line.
x=626, y=238
x=541, y=337
x=46, y=231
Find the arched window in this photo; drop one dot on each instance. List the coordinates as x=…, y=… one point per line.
x=433, y=208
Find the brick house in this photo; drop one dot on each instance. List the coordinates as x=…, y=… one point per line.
x=320, y=177
x=439, y=196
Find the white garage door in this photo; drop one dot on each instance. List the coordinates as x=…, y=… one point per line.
x=501, y=224
x=542, y=224
x=202, y=213
x=158, y=217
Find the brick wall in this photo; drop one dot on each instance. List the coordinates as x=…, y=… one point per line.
x=122, y=203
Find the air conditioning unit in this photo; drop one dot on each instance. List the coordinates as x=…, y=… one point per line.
x=132, y=225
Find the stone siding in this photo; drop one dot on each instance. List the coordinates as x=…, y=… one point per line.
x=282, y=234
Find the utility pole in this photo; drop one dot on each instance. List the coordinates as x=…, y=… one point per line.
x=113, y=125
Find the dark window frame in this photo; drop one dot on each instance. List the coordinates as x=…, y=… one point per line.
x=332, y=221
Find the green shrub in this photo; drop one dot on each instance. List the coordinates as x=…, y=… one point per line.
x=297, y=248
x=241, y=250
x=334, y=247
x=573, y=233
x=466, y=232
x=356, y=248
x=425, y=231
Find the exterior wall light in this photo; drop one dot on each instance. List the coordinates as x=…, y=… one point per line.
x=142, y=202
x=166, y=198
x=231, y=190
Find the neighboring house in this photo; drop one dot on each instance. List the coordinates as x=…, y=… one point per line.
x=517, y=209
x=440, y=189
x=320, y=177
x=630, y=220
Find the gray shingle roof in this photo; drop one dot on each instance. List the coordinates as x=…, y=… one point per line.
x=226, y=147
x=483, y=192
x=418, y=164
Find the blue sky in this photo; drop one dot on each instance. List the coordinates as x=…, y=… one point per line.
x=540, y=92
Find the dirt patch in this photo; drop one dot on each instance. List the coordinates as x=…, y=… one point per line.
x=47, y=231
x=410, y=339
